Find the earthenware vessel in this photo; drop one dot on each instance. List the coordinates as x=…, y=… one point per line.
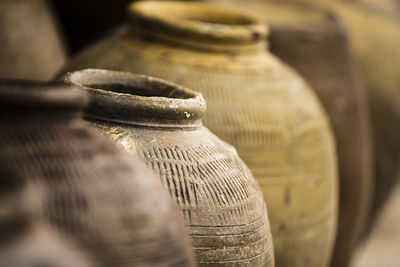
x=104, y=200
x=30, y=41
x=161, y=123
x=314, y=41
x=375, y=38
x=255, y=102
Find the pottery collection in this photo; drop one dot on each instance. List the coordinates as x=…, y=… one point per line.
x=255, y=102
x=207, y=133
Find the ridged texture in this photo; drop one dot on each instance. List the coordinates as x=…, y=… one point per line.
x=108, y=203
x=272, y=118
x=220, y=200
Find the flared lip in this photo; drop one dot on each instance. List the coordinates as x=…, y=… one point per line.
x=198, y=21
x=21, y=96
x=166, y=105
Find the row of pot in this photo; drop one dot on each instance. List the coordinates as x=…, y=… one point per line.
x=255, y=102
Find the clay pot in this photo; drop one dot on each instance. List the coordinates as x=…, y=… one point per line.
x=255, y=103
x=31, y=45
x=105, y=201
x=161, y=123
x=314, y=41
x=375, y=36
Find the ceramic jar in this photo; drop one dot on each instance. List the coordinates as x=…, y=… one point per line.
x=374, y=28
x=255, y=102
x=314, y=41
x=30, y=41
x=103, y=200
x=161, y=123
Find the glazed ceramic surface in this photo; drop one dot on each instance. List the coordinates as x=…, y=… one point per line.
x=106, y=202
x=255, y=103
x=314, y=41
x=31, y=45
x=161, y=123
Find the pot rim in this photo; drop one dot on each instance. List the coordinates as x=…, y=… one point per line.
x=188, y=23
x=123, y=97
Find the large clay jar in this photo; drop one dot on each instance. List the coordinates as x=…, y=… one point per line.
x=31, y=45
x=314, y=41
x=375, y=36
x=161, y=123
x=104, y=200
x=255, y=102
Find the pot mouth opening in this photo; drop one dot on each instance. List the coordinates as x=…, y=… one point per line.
x=138, y=99
x=137, y=90
x=185, y=21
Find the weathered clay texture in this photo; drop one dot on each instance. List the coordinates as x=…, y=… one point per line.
x=105, y=201
x=161, y=123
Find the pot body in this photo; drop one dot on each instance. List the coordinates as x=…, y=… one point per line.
x=314, y=41
x=31, y=45
x=325, y=62
x=374, y=37
x=220, y=200
x=106, y=202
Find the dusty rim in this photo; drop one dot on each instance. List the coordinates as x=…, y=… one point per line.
x=138, y=99
x=187, y=23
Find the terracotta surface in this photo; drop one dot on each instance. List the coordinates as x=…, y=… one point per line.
x=255, y=103
x=108, y=204
x=30, y=41
x=161, y=123
x=315, y=42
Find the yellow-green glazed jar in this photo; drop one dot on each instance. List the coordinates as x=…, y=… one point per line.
x=255, y=102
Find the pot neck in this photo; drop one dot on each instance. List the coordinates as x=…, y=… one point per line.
x=198, y=26
x=36, y=103
x=126, y=98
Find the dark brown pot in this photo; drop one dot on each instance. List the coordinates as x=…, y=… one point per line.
x=31, y=45
x=314, y=41
x=105, y=201
x=161, y=123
